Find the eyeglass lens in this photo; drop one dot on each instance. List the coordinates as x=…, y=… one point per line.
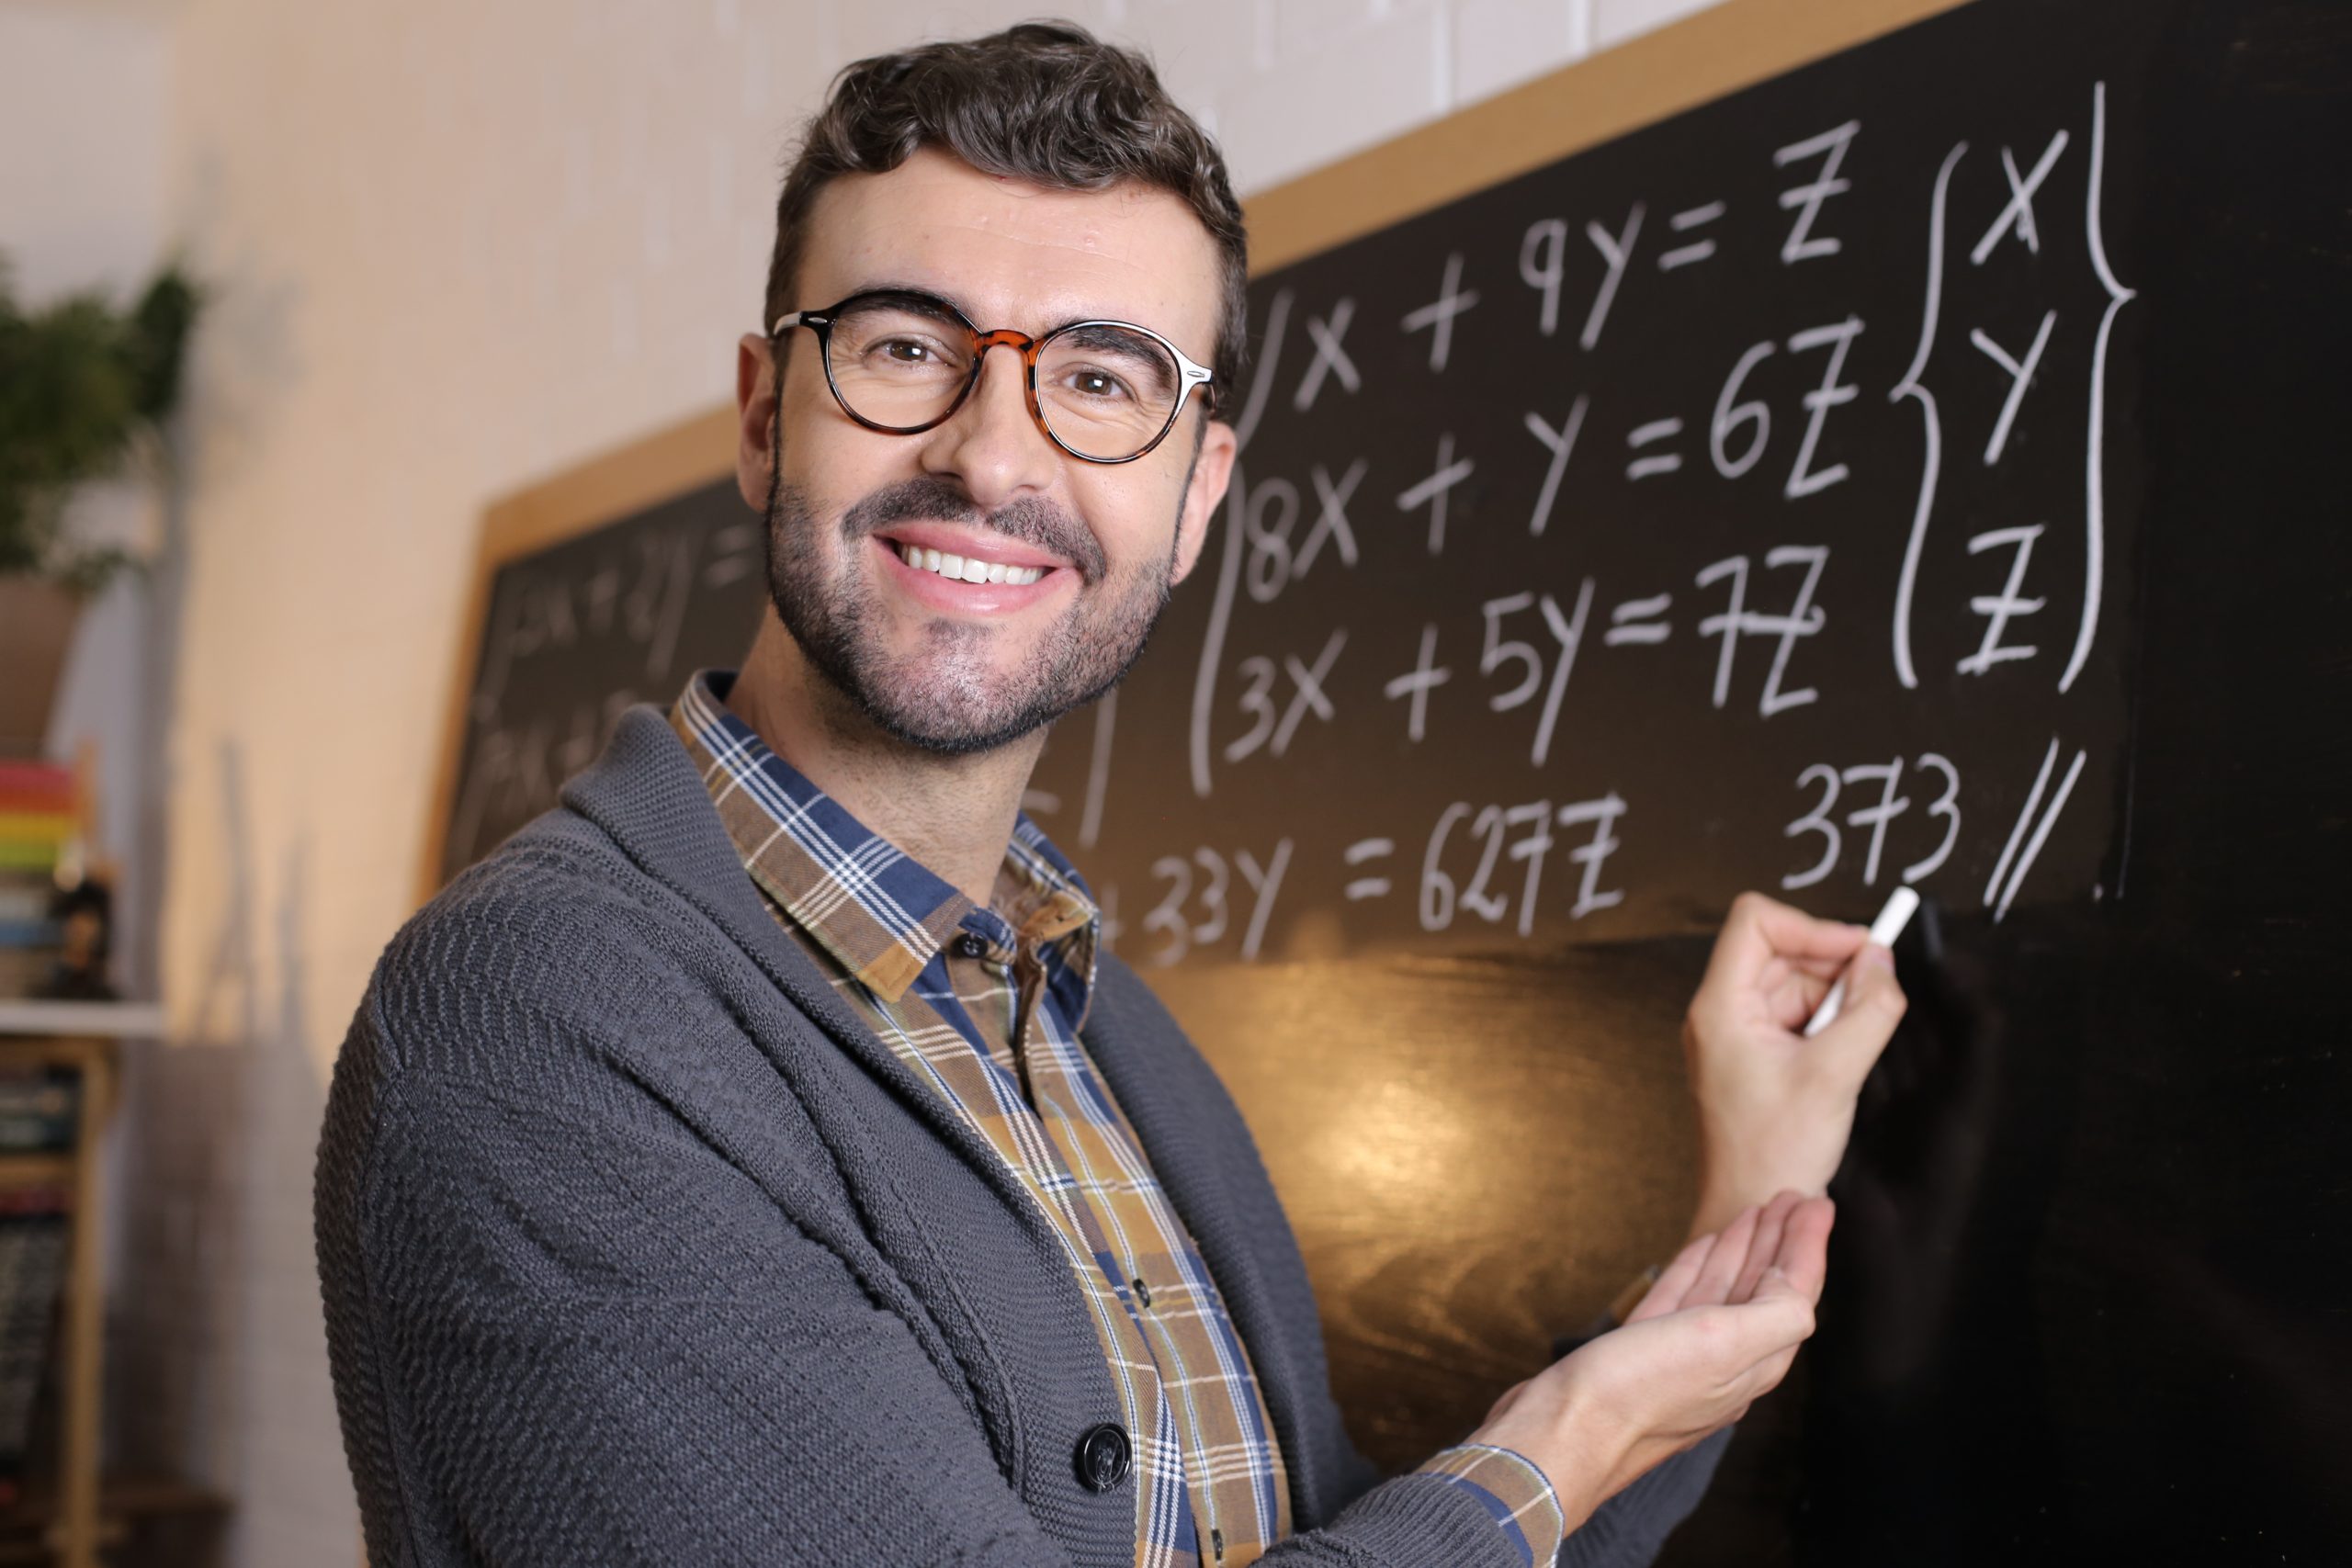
x=1107, y=392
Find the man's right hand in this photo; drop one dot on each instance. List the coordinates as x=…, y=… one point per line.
x=1719, y=1329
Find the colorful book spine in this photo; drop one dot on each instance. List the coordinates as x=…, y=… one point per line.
x=40, y=817
x=36, y=787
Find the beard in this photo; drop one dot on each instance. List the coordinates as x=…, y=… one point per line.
x=950, y=695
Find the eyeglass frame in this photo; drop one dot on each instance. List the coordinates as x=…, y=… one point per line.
x=1193, y=375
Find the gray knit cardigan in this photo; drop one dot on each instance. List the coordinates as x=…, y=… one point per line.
x=637, y=1247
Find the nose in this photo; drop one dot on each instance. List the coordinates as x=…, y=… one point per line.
x=993, y=444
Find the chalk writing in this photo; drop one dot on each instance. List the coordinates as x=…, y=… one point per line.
x=1754, y=623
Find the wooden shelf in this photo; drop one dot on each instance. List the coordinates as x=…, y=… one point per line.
x=114, y=1020
x=83, y=1036
x=28, y=1525
x=36, y=1168
x=69, y=1517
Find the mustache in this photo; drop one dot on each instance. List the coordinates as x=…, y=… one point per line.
x=1032, y=520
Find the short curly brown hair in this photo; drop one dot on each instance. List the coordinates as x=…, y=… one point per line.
x=1044, y=102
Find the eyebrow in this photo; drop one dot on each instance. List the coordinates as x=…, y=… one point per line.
x=891, y=286
x=927, y=292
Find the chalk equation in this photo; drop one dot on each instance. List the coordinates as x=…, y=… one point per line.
x=1615, y=539
x=574, y=635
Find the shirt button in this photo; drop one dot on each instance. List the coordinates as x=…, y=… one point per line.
x=1103, y=1455
x=971, y=944
x=1143, y=1292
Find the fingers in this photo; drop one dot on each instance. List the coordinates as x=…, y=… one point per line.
x=1673, y=1281
x=1792, y=990
x=1758, y=928
x=1736, y=1341
x=1801, y=1264
x=1722, y=1268
x=1874, y=1004
x=1786, y=1239
x=1701, y=1273
x=1764, y=1244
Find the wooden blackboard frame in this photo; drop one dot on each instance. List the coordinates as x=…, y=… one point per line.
x=653, y=468
x=1731, y=45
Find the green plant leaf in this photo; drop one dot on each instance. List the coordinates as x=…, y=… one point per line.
x=80, y=383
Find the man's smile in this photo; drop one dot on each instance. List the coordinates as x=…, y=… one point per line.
x=970, y=569
x=966, y=572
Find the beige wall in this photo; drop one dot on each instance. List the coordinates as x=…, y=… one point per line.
x=455, y=246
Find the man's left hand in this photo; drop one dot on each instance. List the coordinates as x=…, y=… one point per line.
x=1775, y=1109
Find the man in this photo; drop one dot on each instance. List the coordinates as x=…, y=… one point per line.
x=757, y=1159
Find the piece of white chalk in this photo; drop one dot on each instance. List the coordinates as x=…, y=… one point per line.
x=1884, y=930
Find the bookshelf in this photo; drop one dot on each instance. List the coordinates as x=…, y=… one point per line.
x=72, y=1514
x=61, y=1511
x=71, y=1533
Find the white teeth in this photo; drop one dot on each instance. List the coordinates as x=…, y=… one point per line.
x=970, y=569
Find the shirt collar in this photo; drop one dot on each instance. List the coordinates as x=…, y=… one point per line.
x=882, y=914
x=1054, y=911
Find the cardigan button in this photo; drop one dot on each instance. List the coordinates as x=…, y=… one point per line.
x=1103, y=1455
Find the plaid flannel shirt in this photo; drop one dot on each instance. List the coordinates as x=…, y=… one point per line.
x=985, y=1005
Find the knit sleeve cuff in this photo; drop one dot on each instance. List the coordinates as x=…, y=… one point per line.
x=1513, y=1490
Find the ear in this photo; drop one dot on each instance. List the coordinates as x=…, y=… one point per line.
x=755, y=413
x=1202, y=495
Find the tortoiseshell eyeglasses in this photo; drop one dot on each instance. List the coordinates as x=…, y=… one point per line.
x=902, y=362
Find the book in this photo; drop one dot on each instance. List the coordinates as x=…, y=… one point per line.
x=34, y=1232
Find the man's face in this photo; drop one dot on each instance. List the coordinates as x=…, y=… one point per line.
x=945, y=664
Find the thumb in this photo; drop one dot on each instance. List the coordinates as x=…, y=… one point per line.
x=1802, y=1265
x=1779, y=1317
x=1874, y=1004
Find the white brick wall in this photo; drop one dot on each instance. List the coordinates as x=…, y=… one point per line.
x=455, y=246
x=1614, y=21
x=92, y=218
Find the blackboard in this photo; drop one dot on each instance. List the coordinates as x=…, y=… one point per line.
x=1917, y=467
x=1914, y=465
x=605, y=588
x=1743, y=504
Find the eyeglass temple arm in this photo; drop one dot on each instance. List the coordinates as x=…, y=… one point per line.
x=1202, y=379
